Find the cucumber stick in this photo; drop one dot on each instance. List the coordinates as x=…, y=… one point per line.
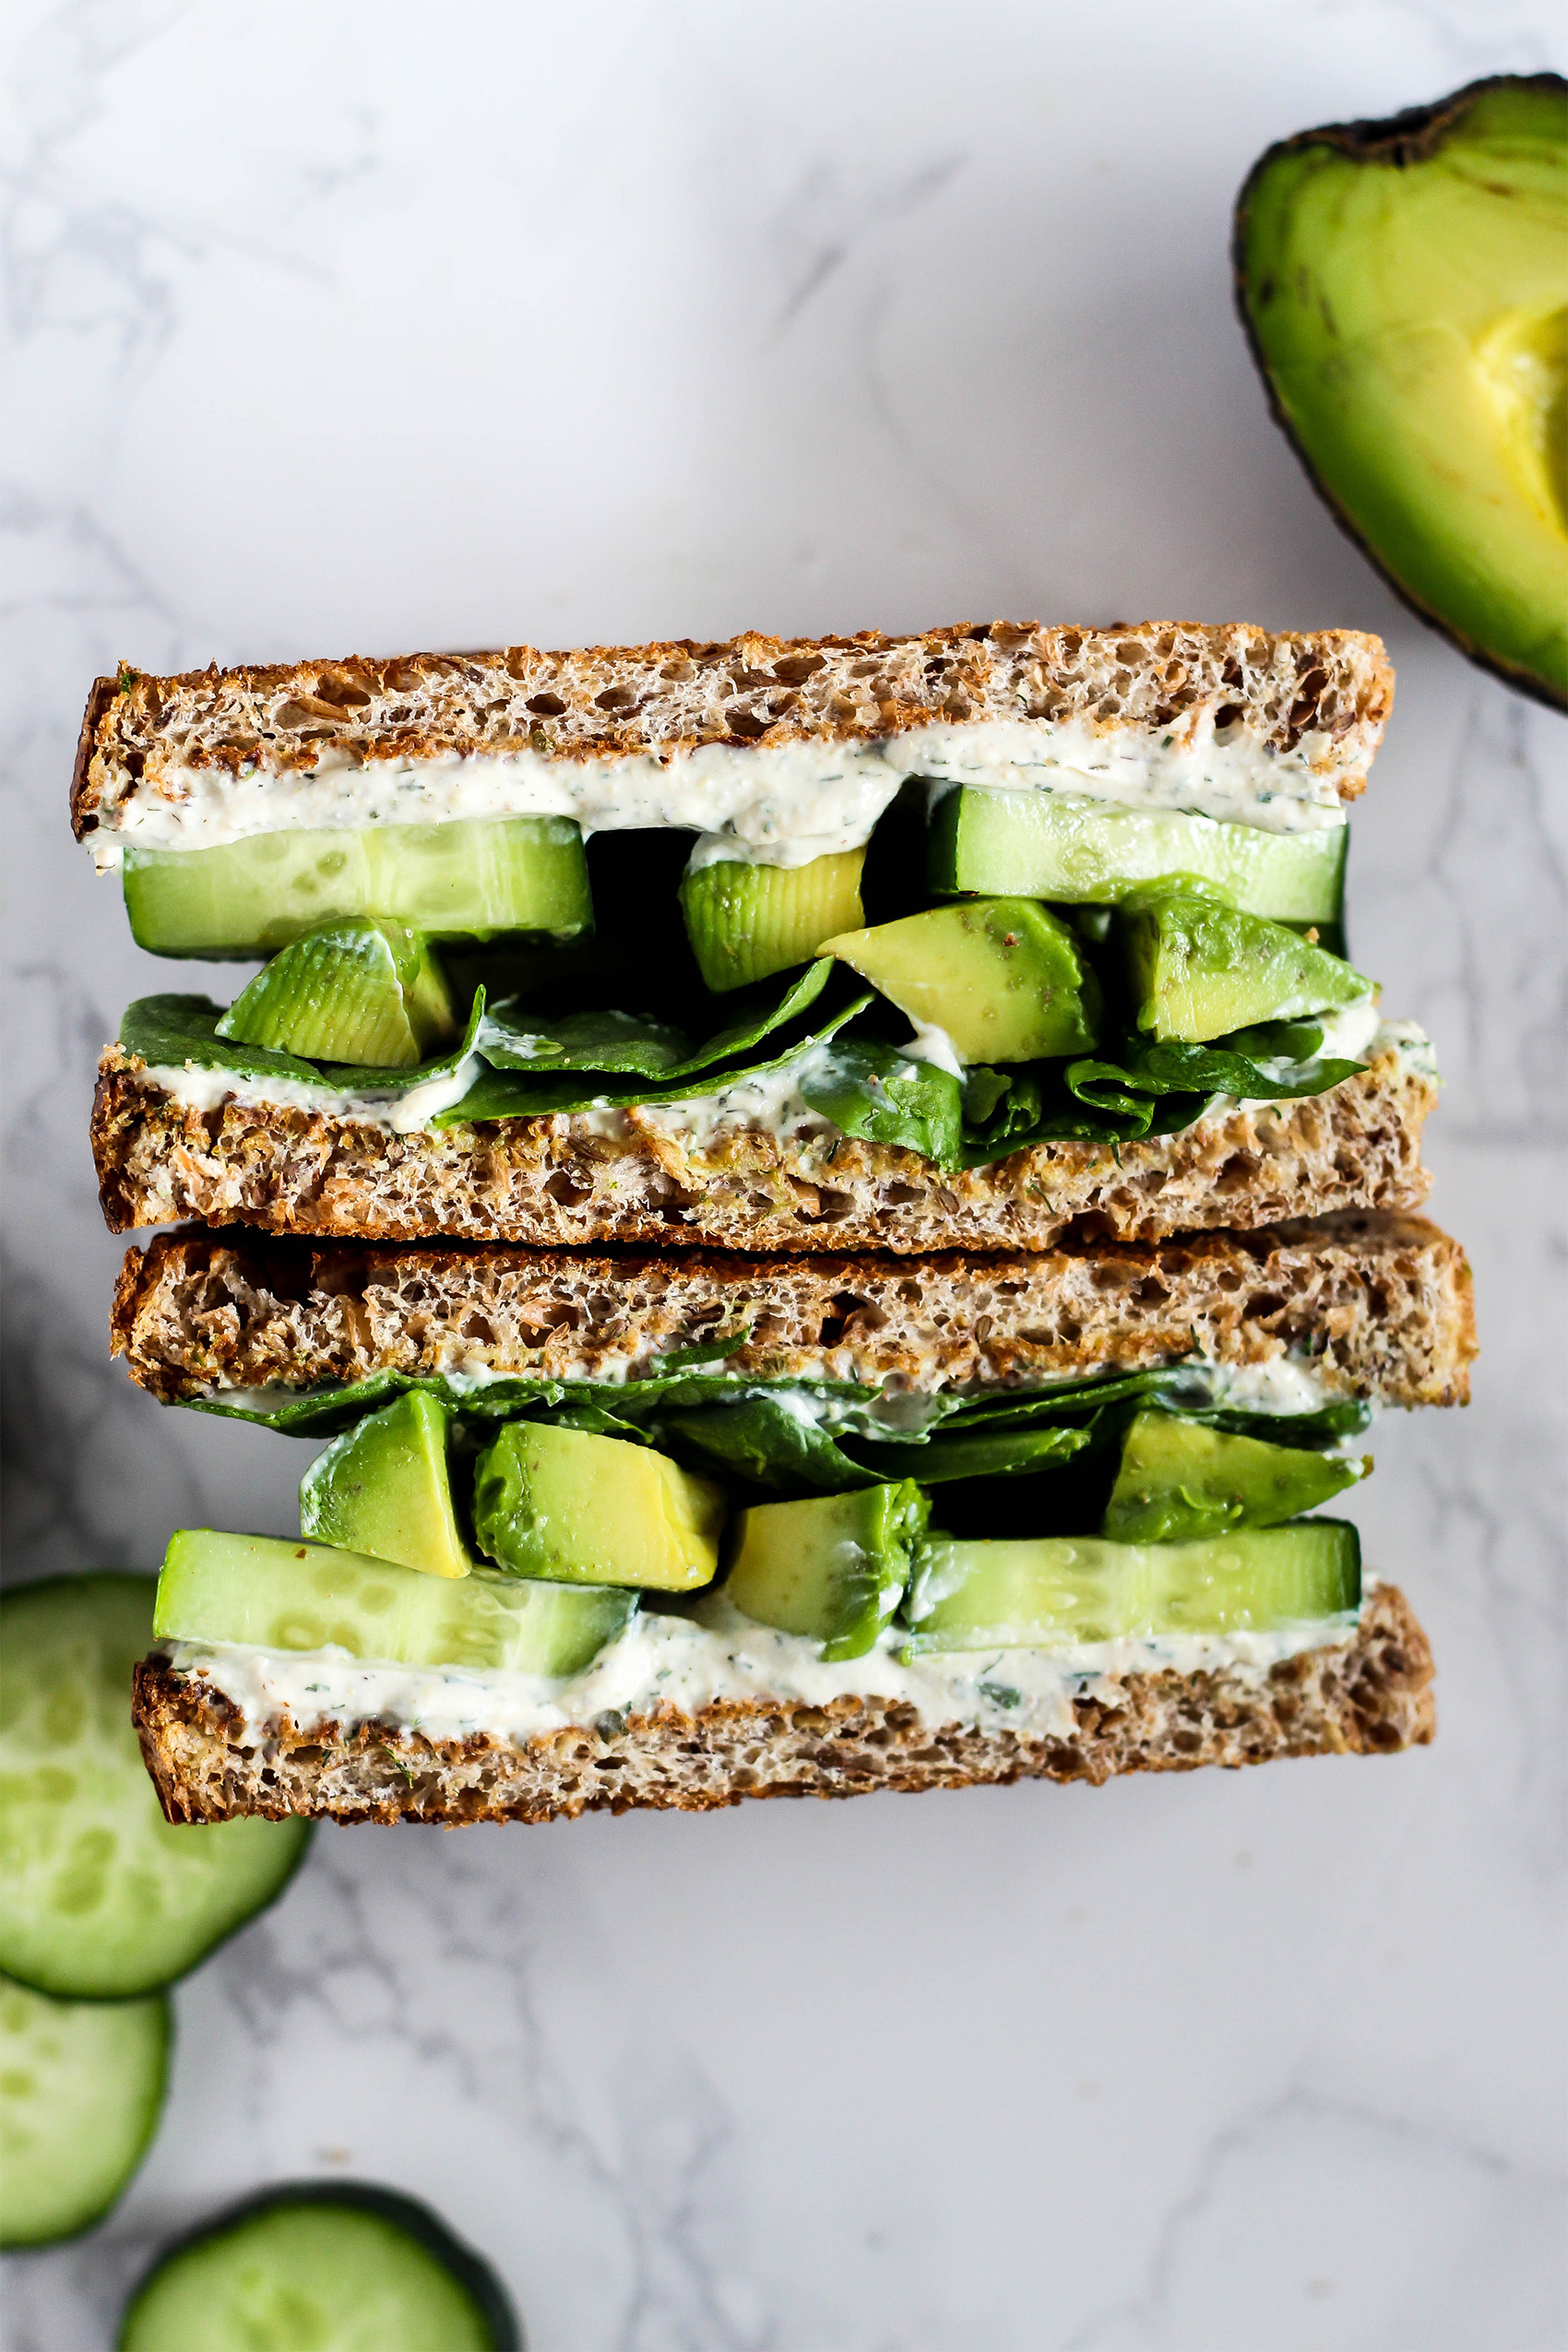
x=282, y=1596
x=321, y=2266
x=1058, y=1589
x=1045, y=845
x=100, y=1896
x=475, y=878
x=81, y=2090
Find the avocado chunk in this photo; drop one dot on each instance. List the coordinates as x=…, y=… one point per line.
x=832, y=1568
x=384, y=1488
x=588, y=1510
x=1049, y=845
x=1178, y=1480
x=1004, y=979
x=1198, y=968
x=1055, y=1590
x=283, y=1595
x=747, y=921
x=362, y=992
x=1404, y=286
x=473, y=879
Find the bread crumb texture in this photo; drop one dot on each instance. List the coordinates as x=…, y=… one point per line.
x=1379, y=1306
x=556, y=1183
x=1325, y=694
x=1371, y=1695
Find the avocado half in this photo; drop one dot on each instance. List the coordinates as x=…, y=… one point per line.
x=1404, y=288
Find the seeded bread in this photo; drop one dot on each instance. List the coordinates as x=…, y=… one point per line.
x=550, y=1183
x=1367, y=1697
x=1379, y=1306
x=1327, y=692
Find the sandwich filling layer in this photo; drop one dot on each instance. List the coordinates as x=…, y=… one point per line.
x=686, y=1662
x=774, y=805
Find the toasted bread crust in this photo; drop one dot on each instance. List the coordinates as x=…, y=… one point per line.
x=1371, y=1695
x=555, y=1183
x=142, y=736
x=1380, y=1305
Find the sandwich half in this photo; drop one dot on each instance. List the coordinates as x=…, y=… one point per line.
x=963, y=940
x=670, y=1531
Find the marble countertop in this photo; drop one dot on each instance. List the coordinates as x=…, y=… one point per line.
x=366, y=324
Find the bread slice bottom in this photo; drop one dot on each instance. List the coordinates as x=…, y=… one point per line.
x=1378, y=1306
x=566, y=1182
x=1369, y=1695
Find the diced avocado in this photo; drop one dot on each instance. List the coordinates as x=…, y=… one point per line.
x=1007, y=980
x=361, y=992
x=832, y=1568
x=282, y=1596
x=1178, y=1480
x=1060, y=1589
x=746, y=921
x=1198, y=968
x=1404, y=285
x=564, y=1503
x=474, y=879
x=384, y=1488
x=1044, y=845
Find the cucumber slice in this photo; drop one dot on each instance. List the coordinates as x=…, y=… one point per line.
x=1198, y=968
x=832, y=1568
x=1006, y=980
x=282, y=1596
x=362, y=992
x=746, y=921
x=81, y=2090
x=1042, y=846
x=384, y=1488
x=590, y=1510
x=100, y=1896
x=1178, y=1480
x=1059, y=1589
x=474, y=879
x=321, y=2266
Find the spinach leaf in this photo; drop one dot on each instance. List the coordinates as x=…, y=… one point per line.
x=872, y=1090
x=762, y=1441
x=976, y=1453
x=610, y=1042
x=182, y=1032
x=509, y=1094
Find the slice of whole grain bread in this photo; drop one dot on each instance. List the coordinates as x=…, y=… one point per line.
x=566, y=1181
x=1379, y=1306
x=1325, y=694
x=1369, y=1695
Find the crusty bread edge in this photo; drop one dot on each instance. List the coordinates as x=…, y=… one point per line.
x=1370, y=1694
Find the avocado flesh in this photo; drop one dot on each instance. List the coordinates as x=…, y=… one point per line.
x=1198, y=968
x=567, y=1504
x=281, y=1596
x=383, y=1488
x=1179, y=1481
x=1005, y=979
x=361, y=991
x=1405, y=289
x=746, y=921
x=987, y=1594
x=832, y=1569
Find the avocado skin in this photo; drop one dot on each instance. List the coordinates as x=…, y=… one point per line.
x=1409, y=136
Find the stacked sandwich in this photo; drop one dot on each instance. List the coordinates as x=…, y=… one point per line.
x=837, y=1209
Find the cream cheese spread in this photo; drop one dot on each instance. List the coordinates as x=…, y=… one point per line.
x=777, y=804
x=772, y=1101
x=689, y=1662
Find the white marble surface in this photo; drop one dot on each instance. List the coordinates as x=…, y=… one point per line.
x=362, y=325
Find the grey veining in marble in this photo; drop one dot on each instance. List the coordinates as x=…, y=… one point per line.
x=378, y=324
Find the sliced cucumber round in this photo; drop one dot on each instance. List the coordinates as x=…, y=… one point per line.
x=100, y=1896
x=334, y=2265
x=81, y=2090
